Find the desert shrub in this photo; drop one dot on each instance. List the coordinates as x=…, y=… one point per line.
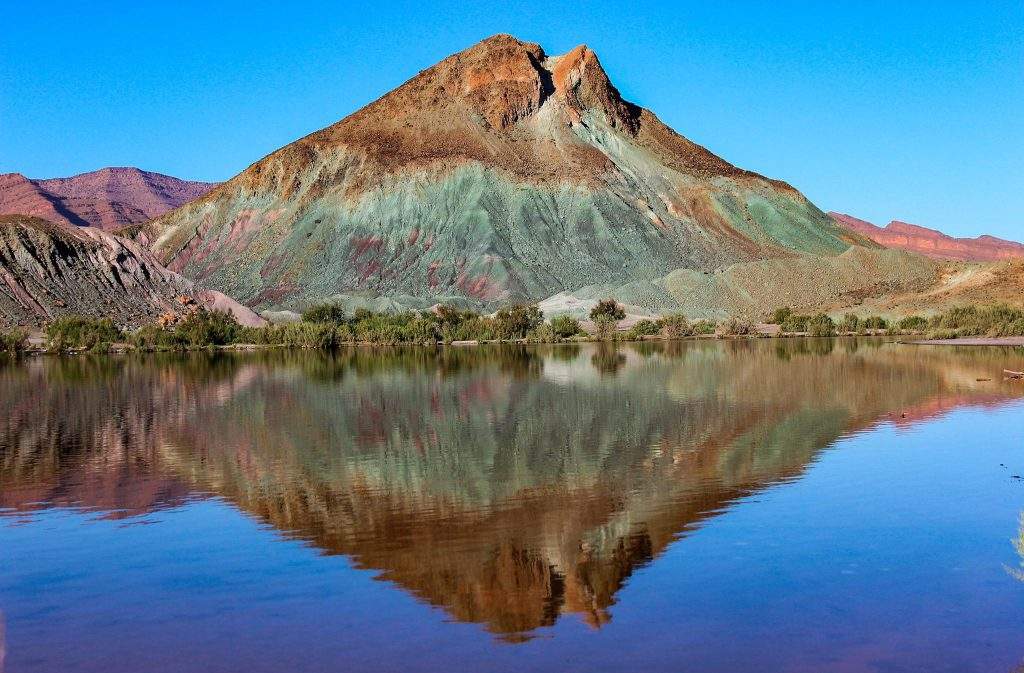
x=81, y=332
x=675, y=326
x=704, y=327
x=821, y=325
x=265, y=336
x=851, y=323
x=997, y=320
x=153, y=337
x=780, y=315
x=606, y=315
x=208, y=328
x=320, y=334
x=875, y=322
x=565, y=326
x=544, y=333
x=324, y=313
x=644, y=328
x=475, y=328
x=797, y=323
x=13, y=341
x=605, y=325
x=609, y=308
x=913, y=323
x=515, y=322
x=738, y=327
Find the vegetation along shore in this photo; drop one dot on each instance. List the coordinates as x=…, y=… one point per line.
x=327, y=326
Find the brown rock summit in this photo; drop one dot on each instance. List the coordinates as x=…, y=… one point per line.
x=485, y=103
x=933, y=243
x=110, y=198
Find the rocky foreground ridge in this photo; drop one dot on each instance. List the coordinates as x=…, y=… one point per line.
x=49, y=270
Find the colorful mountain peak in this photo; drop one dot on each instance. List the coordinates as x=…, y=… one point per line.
x=499, y=174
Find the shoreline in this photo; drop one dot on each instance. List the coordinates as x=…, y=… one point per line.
x=122, y=348
x=1010, y=341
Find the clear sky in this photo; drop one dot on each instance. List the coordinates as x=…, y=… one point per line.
x=885, y=110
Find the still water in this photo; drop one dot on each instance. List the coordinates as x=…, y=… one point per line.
x=775, y=505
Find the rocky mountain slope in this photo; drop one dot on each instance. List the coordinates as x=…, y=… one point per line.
x=500, y=174
x=931, y=242
x=110, y=198
x=48, y=270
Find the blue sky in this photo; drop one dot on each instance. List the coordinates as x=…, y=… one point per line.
x=906, y=110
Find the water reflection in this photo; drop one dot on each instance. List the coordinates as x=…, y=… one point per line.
x=507, y=485
x=1018, y=545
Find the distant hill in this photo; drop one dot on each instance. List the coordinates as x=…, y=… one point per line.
x=109, y=199
x=931, y=242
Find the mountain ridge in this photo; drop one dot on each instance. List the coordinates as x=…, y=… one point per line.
x=932, y=242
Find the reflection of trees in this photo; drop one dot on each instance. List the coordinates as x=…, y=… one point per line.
x=607, y=360
x=460, y=474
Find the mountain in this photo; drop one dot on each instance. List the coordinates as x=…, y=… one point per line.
x=48, y=270
x=931, y=242
x=110, y=198
x=500, y=174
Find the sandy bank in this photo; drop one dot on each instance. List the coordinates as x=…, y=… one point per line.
x=972, y=341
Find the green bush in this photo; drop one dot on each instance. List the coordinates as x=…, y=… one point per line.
x=14, y=341
x=644, y=328
x=324, y=313
x=821, y=325
x=81, y=332
x=875, y=322
x=780, y=316
x=565, y=326
x=208, y=328
x=153, y=337
x=675, y=326
x=704, y=327
x=515, y=322
x=608, y=308
x=544, y=334
x=321, y=335
x=995, y=321
x=797, y=323
x=851, y=323
x=912, y=323
x=738, y=327
x=605, y=325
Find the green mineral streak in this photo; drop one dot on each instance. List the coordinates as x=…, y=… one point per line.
x=473, y=237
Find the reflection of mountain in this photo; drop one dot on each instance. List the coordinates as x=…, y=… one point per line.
x=1018, y=545
x=506, y=486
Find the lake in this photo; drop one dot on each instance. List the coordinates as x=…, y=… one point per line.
x=767, y=505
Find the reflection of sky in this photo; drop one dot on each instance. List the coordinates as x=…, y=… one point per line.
x=888, y=552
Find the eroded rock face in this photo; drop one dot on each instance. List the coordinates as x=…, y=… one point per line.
x=48, y=270
x=110, y=198
x=500, y=174
x=933, y=243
